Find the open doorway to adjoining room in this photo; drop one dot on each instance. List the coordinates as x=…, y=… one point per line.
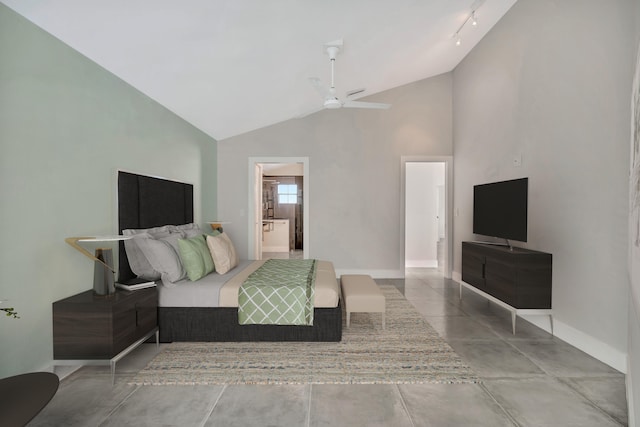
x=278, y=203
x=427, y=213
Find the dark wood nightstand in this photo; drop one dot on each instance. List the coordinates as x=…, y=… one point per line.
x=98, y=329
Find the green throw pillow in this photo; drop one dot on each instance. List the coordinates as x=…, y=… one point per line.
x=195, y=257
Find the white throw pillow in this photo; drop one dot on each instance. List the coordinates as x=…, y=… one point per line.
x=137, y=260
x=223, y=252
x=188, y=230
x=163, y=256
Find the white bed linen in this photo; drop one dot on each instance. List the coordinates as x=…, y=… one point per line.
x=326, y=294
x=201, y=293
x=216, y=290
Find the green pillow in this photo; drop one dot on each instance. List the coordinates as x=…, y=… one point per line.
x=195, y=257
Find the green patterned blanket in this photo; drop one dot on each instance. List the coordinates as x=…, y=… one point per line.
x=280, y=292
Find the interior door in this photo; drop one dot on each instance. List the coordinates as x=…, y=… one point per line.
x=442, y=217
x=257, y=252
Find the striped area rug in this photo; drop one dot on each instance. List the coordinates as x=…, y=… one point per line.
x=408, y=351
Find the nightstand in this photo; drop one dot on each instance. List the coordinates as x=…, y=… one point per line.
x=98, y=329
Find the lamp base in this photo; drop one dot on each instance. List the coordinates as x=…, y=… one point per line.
x=103, y=277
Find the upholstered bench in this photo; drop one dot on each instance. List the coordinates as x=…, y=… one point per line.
x=362, y=295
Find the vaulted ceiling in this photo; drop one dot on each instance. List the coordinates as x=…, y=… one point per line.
x=232, y=66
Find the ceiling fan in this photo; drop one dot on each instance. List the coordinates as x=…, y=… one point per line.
x=331, y=101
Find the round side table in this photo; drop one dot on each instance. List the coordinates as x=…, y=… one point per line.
x=22, y=397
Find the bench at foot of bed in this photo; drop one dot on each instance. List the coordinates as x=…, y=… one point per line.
x=361, y=294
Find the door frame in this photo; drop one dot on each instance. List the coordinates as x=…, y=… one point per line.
x=448, y=185
x=254, y=210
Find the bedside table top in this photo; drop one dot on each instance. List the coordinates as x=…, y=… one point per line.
x=89, y=297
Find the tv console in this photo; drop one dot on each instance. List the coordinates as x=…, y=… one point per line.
x=505, y=244
x=515, y=278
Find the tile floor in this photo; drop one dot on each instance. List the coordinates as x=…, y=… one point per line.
x=528, y=379
x=294, y=254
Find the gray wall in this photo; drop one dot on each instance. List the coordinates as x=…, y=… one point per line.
x=633, y=354
x=66, y=127
x=354, y=162
x=551, y=82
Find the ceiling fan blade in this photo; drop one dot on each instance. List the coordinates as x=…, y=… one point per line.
x=320, y=87
x=359, y=104
x=354, y=92
x=331, y=101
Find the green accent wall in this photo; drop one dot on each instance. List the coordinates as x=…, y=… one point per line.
x=66, y=127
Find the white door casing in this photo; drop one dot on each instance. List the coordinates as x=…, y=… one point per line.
x=254, y=204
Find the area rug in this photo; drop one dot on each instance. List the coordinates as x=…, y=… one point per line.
x=408, y=351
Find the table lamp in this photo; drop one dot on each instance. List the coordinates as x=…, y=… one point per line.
x=104, y=271
x=217, y=225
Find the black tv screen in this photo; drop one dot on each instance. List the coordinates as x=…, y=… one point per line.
x=500, y=209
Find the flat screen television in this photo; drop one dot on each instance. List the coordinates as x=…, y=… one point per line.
x=500, y=209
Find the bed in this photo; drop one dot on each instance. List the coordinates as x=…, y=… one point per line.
x=189, y=311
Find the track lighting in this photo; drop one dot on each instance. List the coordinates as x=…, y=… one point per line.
x=474, y=22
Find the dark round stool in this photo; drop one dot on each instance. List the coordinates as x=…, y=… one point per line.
x=22, y=397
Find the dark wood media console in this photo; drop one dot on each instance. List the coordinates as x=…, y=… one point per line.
x=518, y=278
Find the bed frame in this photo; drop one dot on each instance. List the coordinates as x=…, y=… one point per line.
x=145, y=202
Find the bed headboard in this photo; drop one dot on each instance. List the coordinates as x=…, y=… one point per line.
x=145, y=202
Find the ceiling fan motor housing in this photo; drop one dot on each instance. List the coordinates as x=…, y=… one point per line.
x=332, y=103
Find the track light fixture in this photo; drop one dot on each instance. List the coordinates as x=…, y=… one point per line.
x=474, y=22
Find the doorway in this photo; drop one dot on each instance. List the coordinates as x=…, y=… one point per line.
x=426, y=207
x=278, y=207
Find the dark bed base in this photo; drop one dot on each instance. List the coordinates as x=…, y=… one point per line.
x=221, y=324
x=145, y=202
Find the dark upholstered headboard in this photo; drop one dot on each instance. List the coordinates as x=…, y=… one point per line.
x=145, y=202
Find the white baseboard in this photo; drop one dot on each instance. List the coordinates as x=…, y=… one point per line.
x=421, y=263
x=595, y=348
x=633, y=365
x=603, y=352
x=542, y=322
x=376, y=274
x=48, y=367
x=630, y=395
x=63, y=371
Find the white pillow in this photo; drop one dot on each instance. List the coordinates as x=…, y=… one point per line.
x=223, y=253
x=137, y=260
x=188, y=230
x=163, y=256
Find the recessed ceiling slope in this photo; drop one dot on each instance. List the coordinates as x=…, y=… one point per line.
x=220, y=64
